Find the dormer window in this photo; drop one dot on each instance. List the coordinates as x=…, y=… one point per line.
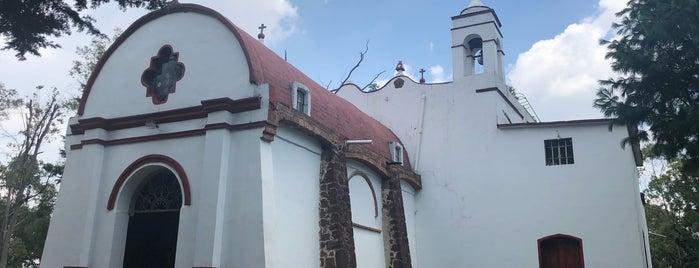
x=301, y=98
x=396, y=152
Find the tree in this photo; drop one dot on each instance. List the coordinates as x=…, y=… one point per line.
x=672, y=212
x=657, y=58
x=89, y=56
x=371, y=86
x=27, y=184
x=27, y=24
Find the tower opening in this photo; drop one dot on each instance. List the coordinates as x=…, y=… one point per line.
x=475, y=51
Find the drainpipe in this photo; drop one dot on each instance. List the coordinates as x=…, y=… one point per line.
x=419, y=132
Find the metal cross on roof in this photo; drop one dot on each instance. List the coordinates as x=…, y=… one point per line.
x=262, y=28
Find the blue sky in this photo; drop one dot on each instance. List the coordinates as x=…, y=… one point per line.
x=413, y=31
x=551, y=47
x=323, y=39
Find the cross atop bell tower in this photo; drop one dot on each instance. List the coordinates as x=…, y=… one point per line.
x=477, y=43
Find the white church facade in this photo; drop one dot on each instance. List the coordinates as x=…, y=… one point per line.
x=197, y=148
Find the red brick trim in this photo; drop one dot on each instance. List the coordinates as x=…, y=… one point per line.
x=149, y=159
x=237, y=126
x=378, y=164
x=255, y=77
x=232, y=106
x=490, y=89
x=164, y=136
x=313, y=128
x=176, y=115
x=152, y=68
x=171, y=135
x=361, y=174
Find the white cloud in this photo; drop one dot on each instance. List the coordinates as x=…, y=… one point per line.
x=431, y=47
x=438, y=75
x=278, y=15
x=559, y=75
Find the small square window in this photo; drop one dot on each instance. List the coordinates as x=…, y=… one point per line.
x=300, y=98
x=559, y=151
x=396, y=151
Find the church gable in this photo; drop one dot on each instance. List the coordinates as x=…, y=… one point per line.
x=144, y=70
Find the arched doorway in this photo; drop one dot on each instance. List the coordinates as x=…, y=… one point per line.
x=560, y=251
x=154, y=215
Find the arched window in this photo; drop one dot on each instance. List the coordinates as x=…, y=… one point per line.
x=561, y=251
x=154, y=215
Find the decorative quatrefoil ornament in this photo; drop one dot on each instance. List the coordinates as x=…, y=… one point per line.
x=162, y=75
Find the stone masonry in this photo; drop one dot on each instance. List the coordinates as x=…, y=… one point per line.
x=336, y=234
x=394, y=227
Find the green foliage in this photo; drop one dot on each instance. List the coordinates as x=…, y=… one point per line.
x=673, y=211
x=28, y=239
x=27, y=185
x=28, y=24
x=89, y=56
x=657, y=58
x=8, y=100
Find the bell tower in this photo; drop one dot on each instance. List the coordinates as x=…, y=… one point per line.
x=477, y=44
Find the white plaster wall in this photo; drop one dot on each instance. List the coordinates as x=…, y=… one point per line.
x=296, y=197
x=215, y=67
x=368, y=245
x=409, y=209
x=69, y=233
x=224, y=226
x=446, y=108
x=243, y=237
x=106, y=229
x=487, y=194
x=491, y=215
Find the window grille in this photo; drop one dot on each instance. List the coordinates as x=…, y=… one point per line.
x=559, y=151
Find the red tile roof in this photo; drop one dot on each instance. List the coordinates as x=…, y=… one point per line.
x=327, y=108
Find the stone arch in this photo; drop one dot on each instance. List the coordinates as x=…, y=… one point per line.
x=137, y=170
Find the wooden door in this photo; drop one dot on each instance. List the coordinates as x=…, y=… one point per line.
x=560, y=251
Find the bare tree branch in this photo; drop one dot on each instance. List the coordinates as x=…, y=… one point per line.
x=361, y=58
x=356, y=65
x=372, y=80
